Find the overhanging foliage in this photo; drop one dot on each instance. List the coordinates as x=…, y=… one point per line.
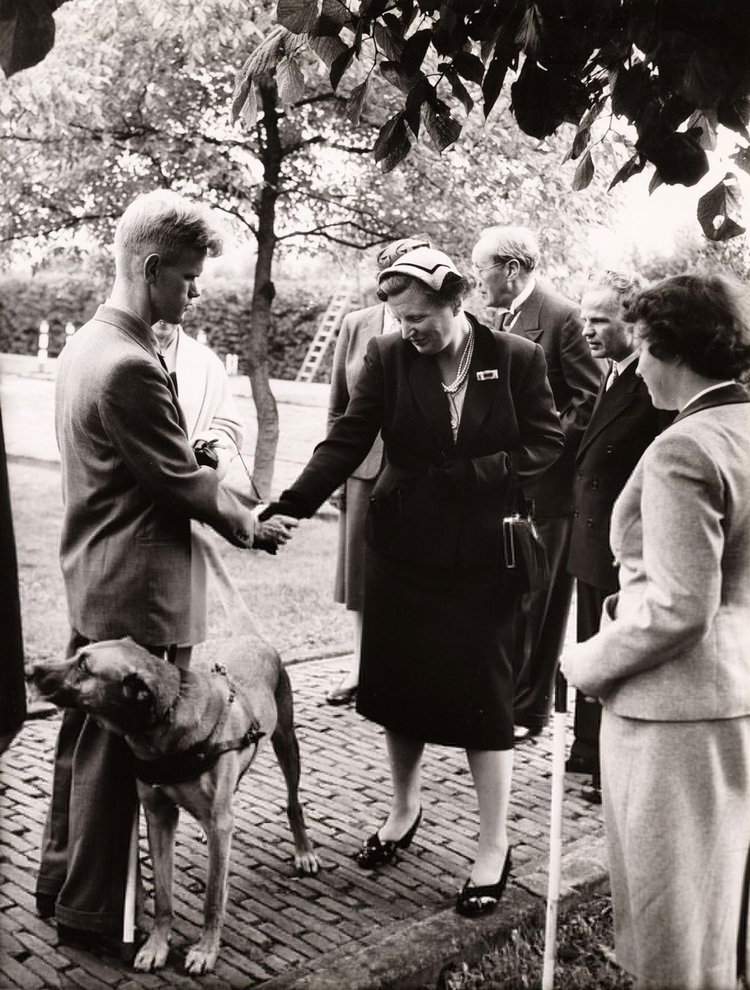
x=676, y=70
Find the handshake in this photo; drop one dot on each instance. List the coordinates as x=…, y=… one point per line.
x=275, y=523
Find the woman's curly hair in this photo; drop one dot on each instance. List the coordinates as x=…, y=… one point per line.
x=702, y=319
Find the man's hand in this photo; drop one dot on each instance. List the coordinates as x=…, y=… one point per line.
x=272, y=533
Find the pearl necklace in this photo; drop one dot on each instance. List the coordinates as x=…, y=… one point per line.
x=463, y=366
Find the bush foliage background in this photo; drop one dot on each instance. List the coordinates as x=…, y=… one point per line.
x=223, y=313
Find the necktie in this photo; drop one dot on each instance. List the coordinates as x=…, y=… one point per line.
x=613, y=376
x=505, y=320
x=172, y=374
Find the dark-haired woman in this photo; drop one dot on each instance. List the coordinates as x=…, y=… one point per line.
x=453, y=400
x=671, y=663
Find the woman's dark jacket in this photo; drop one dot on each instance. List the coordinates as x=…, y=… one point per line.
x=438, y=502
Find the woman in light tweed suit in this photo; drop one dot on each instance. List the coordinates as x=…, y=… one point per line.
x=671, y=663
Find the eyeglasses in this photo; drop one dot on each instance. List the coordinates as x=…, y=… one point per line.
x=488, y=268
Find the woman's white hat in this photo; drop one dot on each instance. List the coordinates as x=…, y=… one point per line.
x=426, y=264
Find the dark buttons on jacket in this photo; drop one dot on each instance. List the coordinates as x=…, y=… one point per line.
x=590, y=523
x=576, y=513
x=595, y=483
x=580, y=476
x=610, y=448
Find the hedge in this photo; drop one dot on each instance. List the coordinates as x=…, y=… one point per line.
x=223, y=313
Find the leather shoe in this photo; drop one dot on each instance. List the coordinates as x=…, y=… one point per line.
x=473, y=902
x=341, y=696
x=581, y=764
x=593, y=794
x=378, y=852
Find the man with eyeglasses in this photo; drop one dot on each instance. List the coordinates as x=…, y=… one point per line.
x=505, y=260
x=622, y=425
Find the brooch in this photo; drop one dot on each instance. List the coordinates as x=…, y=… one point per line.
x=483, y=376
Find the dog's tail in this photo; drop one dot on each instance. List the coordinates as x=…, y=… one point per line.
x=237, y=612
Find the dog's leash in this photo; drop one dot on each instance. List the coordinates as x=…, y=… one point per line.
x=176, y=768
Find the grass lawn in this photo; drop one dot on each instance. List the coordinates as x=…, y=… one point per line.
x=585, y=955
x=289, y=595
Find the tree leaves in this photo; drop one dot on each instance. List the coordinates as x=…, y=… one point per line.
x=584, y=173
x=543, y=99
x=357, y=100
x=632, y=91
x=741, y=158
x=631, y=167
x=340, y=64
x=442, y=128
x=469, y=66
x=27, y=33
x=414, y=51
x=720, y=210
x=393, y=144
x=679, y=157
x=298, y=16
x=291, y=81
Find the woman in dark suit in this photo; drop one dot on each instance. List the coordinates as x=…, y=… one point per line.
x=354, y=499
x=671, y=662
x=453, y=401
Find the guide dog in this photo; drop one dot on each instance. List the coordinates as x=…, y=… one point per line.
x=193, y=734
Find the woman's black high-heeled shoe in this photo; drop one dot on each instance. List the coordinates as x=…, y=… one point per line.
x=473, y=902
x=376, y=853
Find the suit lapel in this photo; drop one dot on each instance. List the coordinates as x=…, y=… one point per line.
x=611, y=403
x=140, y=333
x=726, y=396
x=529, y=314
x=479, y=394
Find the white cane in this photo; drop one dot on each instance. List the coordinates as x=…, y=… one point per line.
x=128, y=911
x=559, y=719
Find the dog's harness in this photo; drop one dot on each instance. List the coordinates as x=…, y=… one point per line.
x=176, y=768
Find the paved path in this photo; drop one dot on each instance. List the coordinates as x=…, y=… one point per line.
x=344, y=928
x=278, y=925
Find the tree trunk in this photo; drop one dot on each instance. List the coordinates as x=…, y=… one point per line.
x=256, y=350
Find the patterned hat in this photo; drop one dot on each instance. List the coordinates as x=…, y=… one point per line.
x=426, y=264
x=396, y=248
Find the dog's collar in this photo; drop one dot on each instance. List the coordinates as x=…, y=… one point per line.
x=176, y=768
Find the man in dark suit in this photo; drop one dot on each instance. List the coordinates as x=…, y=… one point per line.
x=622, y=425
x=505, y=259
x=131, y=485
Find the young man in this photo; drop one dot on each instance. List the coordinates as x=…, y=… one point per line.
x=622, y=425
x=131, y=485
x=506, y=259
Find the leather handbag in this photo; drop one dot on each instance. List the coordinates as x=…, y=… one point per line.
x=525, y=561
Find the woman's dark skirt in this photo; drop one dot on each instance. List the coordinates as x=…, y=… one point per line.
x=436, y=654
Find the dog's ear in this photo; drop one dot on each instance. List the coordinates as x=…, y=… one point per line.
x=139, y=697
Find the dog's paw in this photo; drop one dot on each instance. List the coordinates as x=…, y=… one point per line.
x=202, y=956
x=152, y=954
x=307, y=862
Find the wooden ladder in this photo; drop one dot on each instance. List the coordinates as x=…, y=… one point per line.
x=340, y=304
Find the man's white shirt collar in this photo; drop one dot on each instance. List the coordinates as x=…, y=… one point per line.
x=523, y=295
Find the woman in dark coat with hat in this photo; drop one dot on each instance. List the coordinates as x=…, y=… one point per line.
x=453, y=401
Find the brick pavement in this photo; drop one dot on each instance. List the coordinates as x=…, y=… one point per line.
x=333, y=930
x=278, y=925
